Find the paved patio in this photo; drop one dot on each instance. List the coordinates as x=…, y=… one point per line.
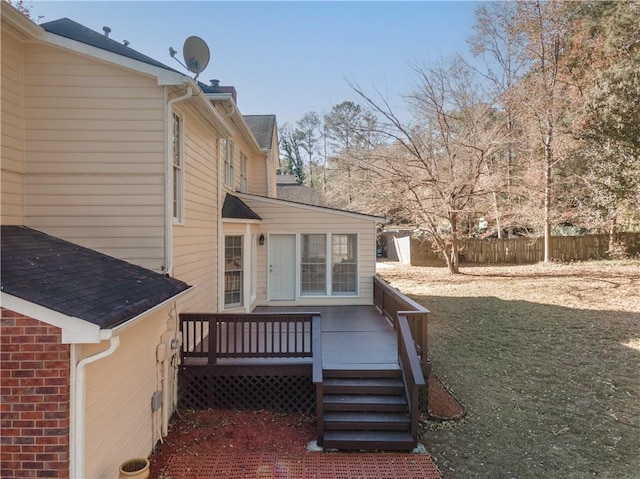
x=315, y=465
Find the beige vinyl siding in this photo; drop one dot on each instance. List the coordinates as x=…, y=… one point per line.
x=272, y=165
x=257, y=176
x=13, y=136
x=196, y=240
x=281, y=218
x=95, y=155
x=119, y=420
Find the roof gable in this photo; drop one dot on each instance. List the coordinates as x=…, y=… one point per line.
x=77, y=281
x=263, y=128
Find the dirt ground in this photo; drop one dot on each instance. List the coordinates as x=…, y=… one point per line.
x=546, y=360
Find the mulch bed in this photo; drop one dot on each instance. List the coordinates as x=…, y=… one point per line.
x=216, y=431
x=443, y=405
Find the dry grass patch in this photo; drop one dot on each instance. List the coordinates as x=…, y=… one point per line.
x=546, y=360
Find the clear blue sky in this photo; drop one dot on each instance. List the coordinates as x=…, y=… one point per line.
x=287, y=58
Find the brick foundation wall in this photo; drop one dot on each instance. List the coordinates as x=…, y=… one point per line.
x=34, y=398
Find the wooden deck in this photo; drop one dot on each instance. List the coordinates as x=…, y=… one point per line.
x=360, y=368
x=352, y=336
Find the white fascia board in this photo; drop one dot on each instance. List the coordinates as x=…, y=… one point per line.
x=74, y=330
x=241, y=221
x=217, y=119
x=245, y=131
x=348, y=214
x=18, y=23
x=164, y=77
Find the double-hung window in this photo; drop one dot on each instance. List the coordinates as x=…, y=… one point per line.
x=178, y=168
x=329, y=264
x=233, y=277
x=314, y=264
x=344, y=264
x=243, y=173
x=229, y=167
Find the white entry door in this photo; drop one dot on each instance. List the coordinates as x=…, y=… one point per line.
x=282, y=267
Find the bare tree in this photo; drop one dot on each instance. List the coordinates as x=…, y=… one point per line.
x=501, y=46
x=290, y=146
x=433, y=167
x=309, y=128
x=544, y=92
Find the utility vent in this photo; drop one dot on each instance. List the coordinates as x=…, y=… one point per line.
x=106, y=31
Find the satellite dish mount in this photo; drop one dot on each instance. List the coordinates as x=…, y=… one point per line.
x=196, y=55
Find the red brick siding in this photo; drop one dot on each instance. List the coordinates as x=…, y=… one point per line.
x=34, y=398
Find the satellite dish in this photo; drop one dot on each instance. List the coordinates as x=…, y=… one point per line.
x=196, y=54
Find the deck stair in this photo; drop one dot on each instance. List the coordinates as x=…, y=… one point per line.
x=365, y=409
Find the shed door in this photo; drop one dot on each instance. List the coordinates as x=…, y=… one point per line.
x=282, y=267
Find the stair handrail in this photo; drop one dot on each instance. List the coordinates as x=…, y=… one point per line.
x=392, y=302
x=316, y=374
x=411, y=370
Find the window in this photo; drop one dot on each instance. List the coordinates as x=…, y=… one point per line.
x=316, y=277
x=344, y=264
x=314, y=264
x=233, y=271
x=243, y=173
x=229, y=172
x=178, y=171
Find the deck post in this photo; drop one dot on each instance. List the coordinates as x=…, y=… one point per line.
x=213, y=339
x=316, y=342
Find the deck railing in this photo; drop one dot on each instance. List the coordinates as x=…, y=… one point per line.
x=392, y=303
x=410, y=322
x=217, y=336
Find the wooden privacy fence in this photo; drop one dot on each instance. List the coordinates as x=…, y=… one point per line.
x=525, y=250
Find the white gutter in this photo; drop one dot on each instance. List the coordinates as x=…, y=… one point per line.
x=168, y=186
x=76, y=468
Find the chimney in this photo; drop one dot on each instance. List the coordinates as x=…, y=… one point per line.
x=106, y=31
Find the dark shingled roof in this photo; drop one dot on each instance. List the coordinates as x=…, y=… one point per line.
x=78, y=281
x=228, y=90
x=67, y=28
x=300, y=194
x=262, y=127
x=234, y=207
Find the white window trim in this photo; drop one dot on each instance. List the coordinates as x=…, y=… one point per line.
x=177, y=204
x=244, y=180
x=329, y=272
x=228, y=150
x=243, y=273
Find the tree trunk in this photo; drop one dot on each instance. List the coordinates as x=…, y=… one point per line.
x=454, y=264
x=548, y=157
x=613, y=235
x=495, y=209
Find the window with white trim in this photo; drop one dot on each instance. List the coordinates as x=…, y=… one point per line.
x=329, y=264
x=229, y=167
x=233, y=274
x=314, y=264
x=344, y=264
x=243, y=173
x=177, y=169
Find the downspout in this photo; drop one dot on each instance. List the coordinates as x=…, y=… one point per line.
x=77, y=461
x=168, y=186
